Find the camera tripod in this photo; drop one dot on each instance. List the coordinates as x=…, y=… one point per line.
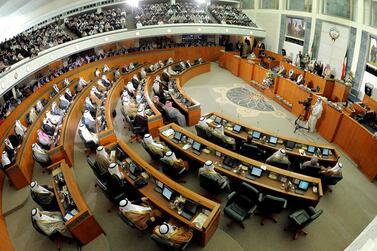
x=302, y=118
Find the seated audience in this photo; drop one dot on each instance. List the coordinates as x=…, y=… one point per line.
x=44, y=194
x=102, y=159
x=115, y=169
x=174, y=113
x=40, y=154
x=227, y=14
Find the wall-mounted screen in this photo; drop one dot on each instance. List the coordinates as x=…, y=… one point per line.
x=295, y=27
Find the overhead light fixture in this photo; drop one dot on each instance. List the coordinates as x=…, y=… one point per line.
x=137, y=33
x=106, y=39
x=226, y=30
x=199, y=29
x=251, y=33
x=52, y=56
x=169, y=30
x=27, y=68
x=77, y=47
x=133, y=3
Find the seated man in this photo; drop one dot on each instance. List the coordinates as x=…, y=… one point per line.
x=64, y=103
x=334, y=171
x=20, y=129
x=89, y=106
x=48, y=127
x=115, y=169
x=218, y=131
x=102, y=159
x=171, y=71
x=97, y=73
x=170, y=61
x=5, y=160
x=209, y=170
x=165, y=76
x=55, y=110
x=87, y=136
x=81, y=84
x=140, y=215
x=154, y=146
x=105, y=68
x=174, y=113
x=89, y=121
x=203, y=123
x=310, y=165
x=143, y=73
x=68, y=95
x=39, y=154
x=279, y=157
x=177, y=235
x=44, y=195
x=179, y=164
x=50, y=222
x=129, y=108
x=44, y=139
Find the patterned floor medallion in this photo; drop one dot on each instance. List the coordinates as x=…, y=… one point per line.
x=248, y=102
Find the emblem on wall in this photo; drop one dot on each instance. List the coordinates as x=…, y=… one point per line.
x=334, y=33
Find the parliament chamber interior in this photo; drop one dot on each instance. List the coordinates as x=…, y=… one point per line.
x=188, y=125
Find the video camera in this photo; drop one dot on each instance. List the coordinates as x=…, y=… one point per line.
x=306, y=103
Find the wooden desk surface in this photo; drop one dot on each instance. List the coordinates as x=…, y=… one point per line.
x=263, y=182
x=246, y=128
x=210, y=225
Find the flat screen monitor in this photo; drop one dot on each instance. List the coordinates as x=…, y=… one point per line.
x=325, y=152
x=218, y=120
x=167, y=193
x=237, y=128
x=273, y=140
x=289, y=144
x=134, y=169
x=256, y=135
x=177, y=135
x=311, y=149
x=190, y=206
x=196, y=146
x=303, y=185
x=256, y=171
x=190, y=141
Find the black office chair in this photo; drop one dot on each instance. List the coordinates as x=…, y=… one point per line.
x=242, y=204
x=313, y=171
x=201, y=132
x=171, y=171
x=284, y=166
x=115, y=191
x=300, y=219
x=269, y=206
x=252, y=151
x=328, y=181
x=167, y=244
x=102, y=176
x=52, y=206
x=138, y=127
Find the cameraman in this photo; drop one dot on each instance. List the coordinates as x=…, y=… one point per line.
x=315, y=115
x=306, y=103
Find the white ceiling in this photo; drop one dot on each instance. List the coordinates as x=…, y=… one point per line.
x=16, y=14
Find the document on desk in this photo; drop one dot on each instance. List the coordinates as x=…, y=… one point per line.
x=302, y=152
x=209, y=121
x=168, y=132
x=199, y=220
x=187, y=146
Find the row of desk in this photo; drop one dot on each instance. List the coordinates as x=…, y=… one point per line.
x=273, y=184
x=334, y=125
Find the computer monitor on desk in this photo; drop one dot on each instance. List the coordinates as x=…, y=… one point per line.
x=325, y=152
x=273, y=140
x=303, y=185
x=256, y=171
x=237, y=128
x=218, y=120
x=311, y=149
x=256, y=135
x=289, y=144
x=167, y=193
x=196, y=147
x=177, y=137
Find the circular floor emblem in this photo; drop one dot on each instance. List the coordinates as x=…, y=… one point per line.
x=246, y=98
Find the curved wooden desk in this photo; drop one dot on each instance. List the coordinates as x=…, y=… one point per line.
x=263, y=182
x=210, y=225
x=21, y=171
x=246, y=130
x=82, y=225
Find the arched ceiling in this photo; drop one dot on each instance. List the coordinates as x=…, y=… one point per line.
x=16, y=14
